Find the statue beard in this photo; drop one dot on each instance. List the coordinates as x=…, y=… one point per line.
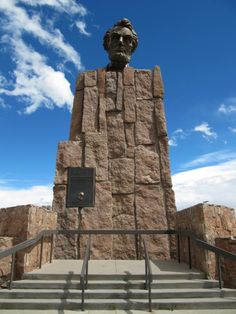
x=119, y=58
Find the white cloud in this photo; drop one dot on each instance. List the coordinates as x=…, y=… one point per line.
x=3, y=81
x=215, y=184
x=206, y=131
x=37, y=195
x=228, y=107
x=233, y=130
x=214, y=157
x=177, y=135
x=19, y=21
x=2, y=103
x=37, y=84
x=70, y=6
x=82, y=28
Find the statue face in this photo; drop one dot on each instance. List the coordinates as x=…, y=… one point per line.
x=120, y=46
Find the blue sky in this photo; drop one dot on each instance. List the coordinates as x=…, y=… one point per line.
x=46, y=43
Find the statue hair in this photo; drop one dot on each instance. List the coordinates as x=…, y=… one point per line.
x=122, y=23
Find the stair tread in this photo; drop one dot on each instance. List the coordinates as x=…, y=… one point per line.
x=117, y=301
x=111, y=281
x=116, y=290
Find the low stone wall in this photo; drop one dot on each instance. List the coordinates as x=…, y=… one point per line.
x=228, y=266
x=22, y=223
x=207, y=222
x=5, y=263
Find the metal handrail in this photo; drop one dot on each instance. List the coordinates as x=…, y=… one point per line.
x=46, y=233
x=209, y=247
x=84, y=272
x=148, y=276
x=24, y=245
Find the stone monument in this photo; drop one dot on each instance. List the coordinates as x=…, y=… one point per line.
x=118, y=127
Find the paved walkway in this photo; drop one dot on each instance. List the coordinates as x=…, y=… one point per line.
x=126, y=267
x=118, y=312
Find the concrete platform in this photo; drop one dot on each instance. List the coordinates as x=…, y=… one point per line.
x=116, y=267
x=224, y=311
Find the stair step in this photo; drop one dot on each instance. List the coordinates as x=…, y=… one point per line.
x=112, y=304
x=107, y=277
x=115, y=293
x=116, y=284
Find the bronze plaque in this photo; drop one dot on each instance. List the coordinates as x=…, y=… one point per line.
x=80, y=187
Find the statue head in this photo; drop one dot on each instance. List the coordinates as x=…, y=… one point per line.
x=120, y=42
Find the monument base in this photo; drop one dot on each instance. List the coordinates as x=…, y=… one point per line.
x=118, y=127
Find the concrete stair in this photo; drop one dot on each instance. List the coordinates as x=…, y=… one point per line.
x=175, y=287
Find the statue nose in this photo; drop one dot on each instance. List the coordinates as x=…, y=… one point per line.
x=121, y=41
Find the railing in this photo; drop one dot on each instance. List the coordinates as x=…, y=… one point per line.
x=24, y=245
x=51, y=233
x=219, y=253
x=148, y=276
x=84, y=272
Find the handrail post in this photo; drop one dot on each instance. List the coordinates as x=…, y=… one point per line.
x=189, y=253
x=146, y=273
x=13, y=259
x=51, y=247
x=86, y=282
x=84, y=272
x=41, y=252
x=148, y=276
x=178, y=247
x=149, y=293
x=219, y=270
x=82, y=293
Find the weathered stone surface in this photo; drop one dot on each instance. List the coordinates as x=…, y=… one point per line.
x=147, y=168
x=165, y=163
x=76, y=117
x=65, y=246
x=90, y=78
x=119, y=96
x=122, y=175
x=96, y=154
x=101, y=77
x=129, y=104
x=143, y=82
x=128, y=74
x=144, y=130
x=151, y=214
x=123, y=205
x=228, y=267
x=102, y=121
x=129, y=135
x=5, y=263
x=158, y=89
x=160, y=118
x=69, y=154
x=170, y=207
x=207, y=222
x=111, y=88
x=14, y=222
x=150, y=207
x=23, y=223
x=124, y=246
x=116, y=135
x=79, y=82
x=99, y=217
x=89, y=123
x=123, y=218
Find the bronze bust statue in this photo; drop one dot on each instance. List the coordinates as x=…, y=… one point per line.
x=120, y=42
